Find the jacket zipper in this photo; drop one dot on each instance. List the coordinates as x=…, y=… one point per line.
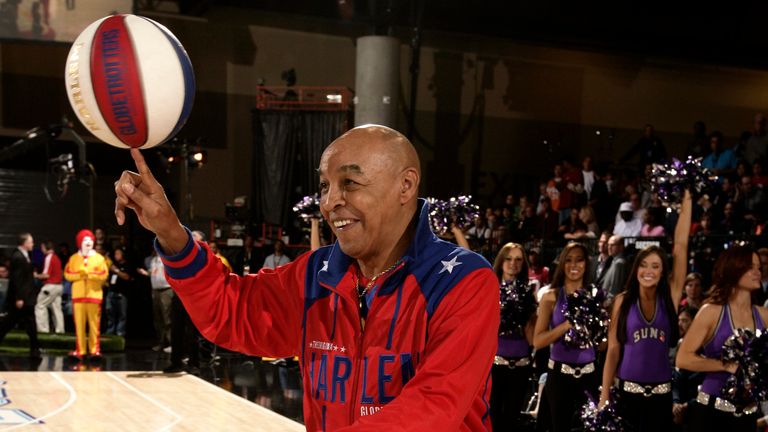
x=360, y=337
x=361, y=340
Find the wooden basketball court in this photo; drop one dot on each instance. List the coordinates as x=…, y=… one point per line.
x=127, y=401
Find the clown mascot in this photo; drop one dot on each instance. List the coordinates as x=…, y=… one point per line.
x=87, y=270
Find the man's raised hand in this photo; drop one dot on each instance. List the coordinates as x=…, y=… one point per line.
x=142, y=193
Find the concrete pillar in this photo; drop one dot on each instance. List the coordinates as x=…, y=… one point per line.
x=377, y=80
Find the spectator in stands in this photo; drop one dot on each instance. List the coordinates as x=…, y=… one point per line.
x=649, y=147
x=653, y=224
x=616, y=275
x=520, y=209
x=479, y=235
x=699, y=144
x=121, y=280
x=49, y=297
x=22, y=294
x=248, y=259
x=759, y=179
x=732, y=223
x=694, y=292
x=554, y=186
x=629, y=225
x=643, y=189
x=215, y=249
x=527, y=229
x=602, y=201
x=578, y=230
x=548, y=222
x=740, y=147
x=101, y=242
x=704, y=206
x=508, y=223
x=509, y=203
x=277, y=257
x=542, y=194
x=162, y=298
x=603, y=259
x=635, y=201
x=704, y=248
x=743, y=169
x=751, y=198
x=757, y=144
x=728, y=192
x=497, y=233
x=685, y=384
x=537, y=272
x=571, y=223
x=722, y=161
x=587, y=215
x=572, y=191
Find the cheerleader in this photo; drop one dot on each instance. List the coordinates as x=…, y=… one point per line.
x=642, y=331
x=729, y=306
x=513, y=365
x=571, y=373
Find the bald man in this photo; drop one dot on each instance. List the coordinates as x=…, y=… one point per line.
x=395, y=329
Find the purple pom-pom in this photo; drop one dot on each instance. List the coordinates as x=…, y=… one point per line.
x=605, y=419
x=518, y=303
x=584, y=310
x=671, y=180
x=309, y=208
x=749, y=350
x=457, y=211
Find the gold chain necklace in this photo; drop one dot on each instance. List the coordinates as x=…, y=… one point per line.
x=361, y=294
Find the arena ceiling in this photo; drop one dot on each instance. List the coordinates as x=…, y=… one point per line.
x=707, y=34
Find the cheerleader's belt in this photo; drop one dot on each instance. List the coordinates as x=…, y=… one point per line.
x=576, y=371
x=723, y=405
x=646, y=390
x=512, y=363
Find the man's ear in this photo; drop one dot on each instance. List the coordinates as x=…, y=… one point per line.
x=409, y=185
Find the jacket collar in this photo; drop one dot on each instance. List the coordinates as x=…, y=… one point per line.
x=338, y=263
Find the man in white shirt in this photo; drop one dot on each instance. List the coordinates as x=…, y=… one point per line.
x=49, y=297
x=629, y=225
x=162, y=297
x=277, y=258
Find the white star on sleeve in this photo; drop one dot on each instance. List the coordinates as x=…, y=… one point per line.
x=449, y=265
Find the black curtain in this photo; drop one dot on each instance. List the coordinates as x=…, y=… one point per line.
x=287, y=149
x=25, y=208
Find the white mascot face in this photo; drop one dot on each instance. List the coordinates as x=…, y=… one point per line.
x=86, y=245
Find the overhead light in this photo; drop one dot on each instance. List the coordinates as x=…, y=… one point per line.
x=197, y=158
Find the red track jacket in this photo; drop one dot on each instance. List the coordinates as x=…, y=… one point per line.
x=422, y=362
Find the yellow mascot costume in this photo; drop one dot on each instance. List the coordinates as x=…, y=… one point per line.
x=87, y=270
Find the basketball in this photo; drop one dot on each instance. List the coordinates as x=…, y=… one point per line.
x=130, y=81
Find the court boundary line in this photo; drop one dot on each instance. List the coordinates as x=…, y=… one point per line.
x=150, y=399
x=246, y=401
x=72, y=399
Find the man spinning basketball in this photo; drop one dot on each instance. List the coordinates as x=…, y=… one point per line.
x=395, y=329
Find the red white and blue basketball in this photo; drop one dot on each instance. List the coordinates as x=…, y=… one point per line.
x=130, y=81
